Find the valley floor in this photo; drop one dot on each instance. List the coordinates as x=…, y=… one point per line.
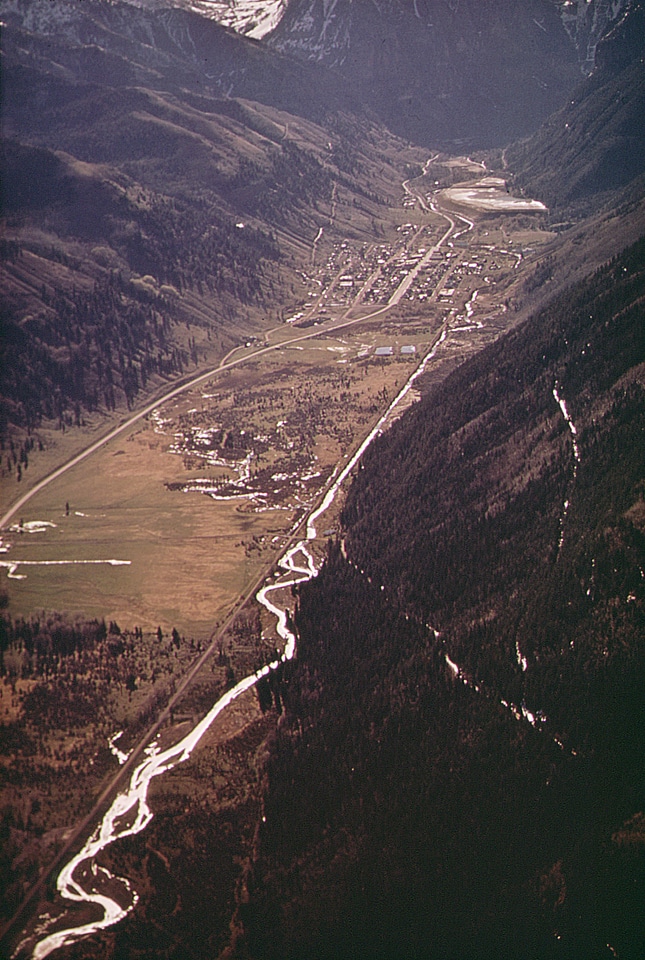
x=168, y=526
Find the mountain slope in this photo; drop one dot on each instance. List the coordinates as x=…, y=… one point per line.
x=586, y=21
x=437, y=71
x=152, y=220
x=174, y=49
x=253, y=18
x=596, y=143
x=471, y=663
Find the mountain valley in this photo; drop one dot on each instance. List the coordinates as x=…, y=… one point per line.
x=322, y=480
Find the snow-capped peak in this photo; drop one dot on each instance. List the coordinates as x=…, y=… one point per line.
x=253, y=18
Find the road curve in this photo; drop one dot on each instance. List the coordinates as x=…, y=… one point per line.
x=328, y=495
x=164, y=398
x=130, y=804
x=227, y=364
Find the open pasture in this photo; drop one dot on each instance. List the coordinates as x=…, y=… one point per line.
x=196, y=499
x=193, y=502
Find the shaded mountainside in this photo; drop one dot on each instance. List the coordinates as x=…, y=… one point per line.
x=439, y=72
x=151, y=221
x=499, y=531
x=586, y=22
x=97, y=280
x=596, y=143
x=119, y=44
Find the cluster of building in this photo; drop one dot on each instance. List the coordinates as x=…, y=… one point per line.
x=374, y=272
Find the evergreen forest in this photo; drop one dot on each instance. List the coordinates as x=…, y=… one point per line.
x=468, y=692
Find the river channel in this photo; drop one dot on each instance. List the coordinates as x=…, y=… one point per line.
x=83, y=879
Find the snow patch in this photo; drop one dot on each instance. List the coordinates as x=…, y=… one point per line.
x=32, y=526
x=253, y=18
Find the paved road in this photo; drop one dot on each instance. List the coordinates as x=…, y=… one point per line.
x=175, y=392
x=227, y=364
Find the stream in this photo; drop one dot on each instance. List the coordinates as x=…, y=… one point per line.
x=82, y=879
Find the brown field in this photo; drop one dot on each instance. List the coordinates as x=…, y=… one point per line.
x=265, y=435
x=190, y=556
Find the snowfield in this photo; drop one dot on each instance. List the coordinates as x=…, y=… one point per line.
x=249, y=17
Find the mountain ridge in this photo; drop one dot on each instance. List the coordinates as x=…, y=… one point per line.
x=396, y=53
x=467, y=693
x=482, y=613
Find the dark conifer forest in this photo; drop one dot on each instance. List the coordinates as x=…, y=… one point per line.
x=468, y=694
x=452, y=766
